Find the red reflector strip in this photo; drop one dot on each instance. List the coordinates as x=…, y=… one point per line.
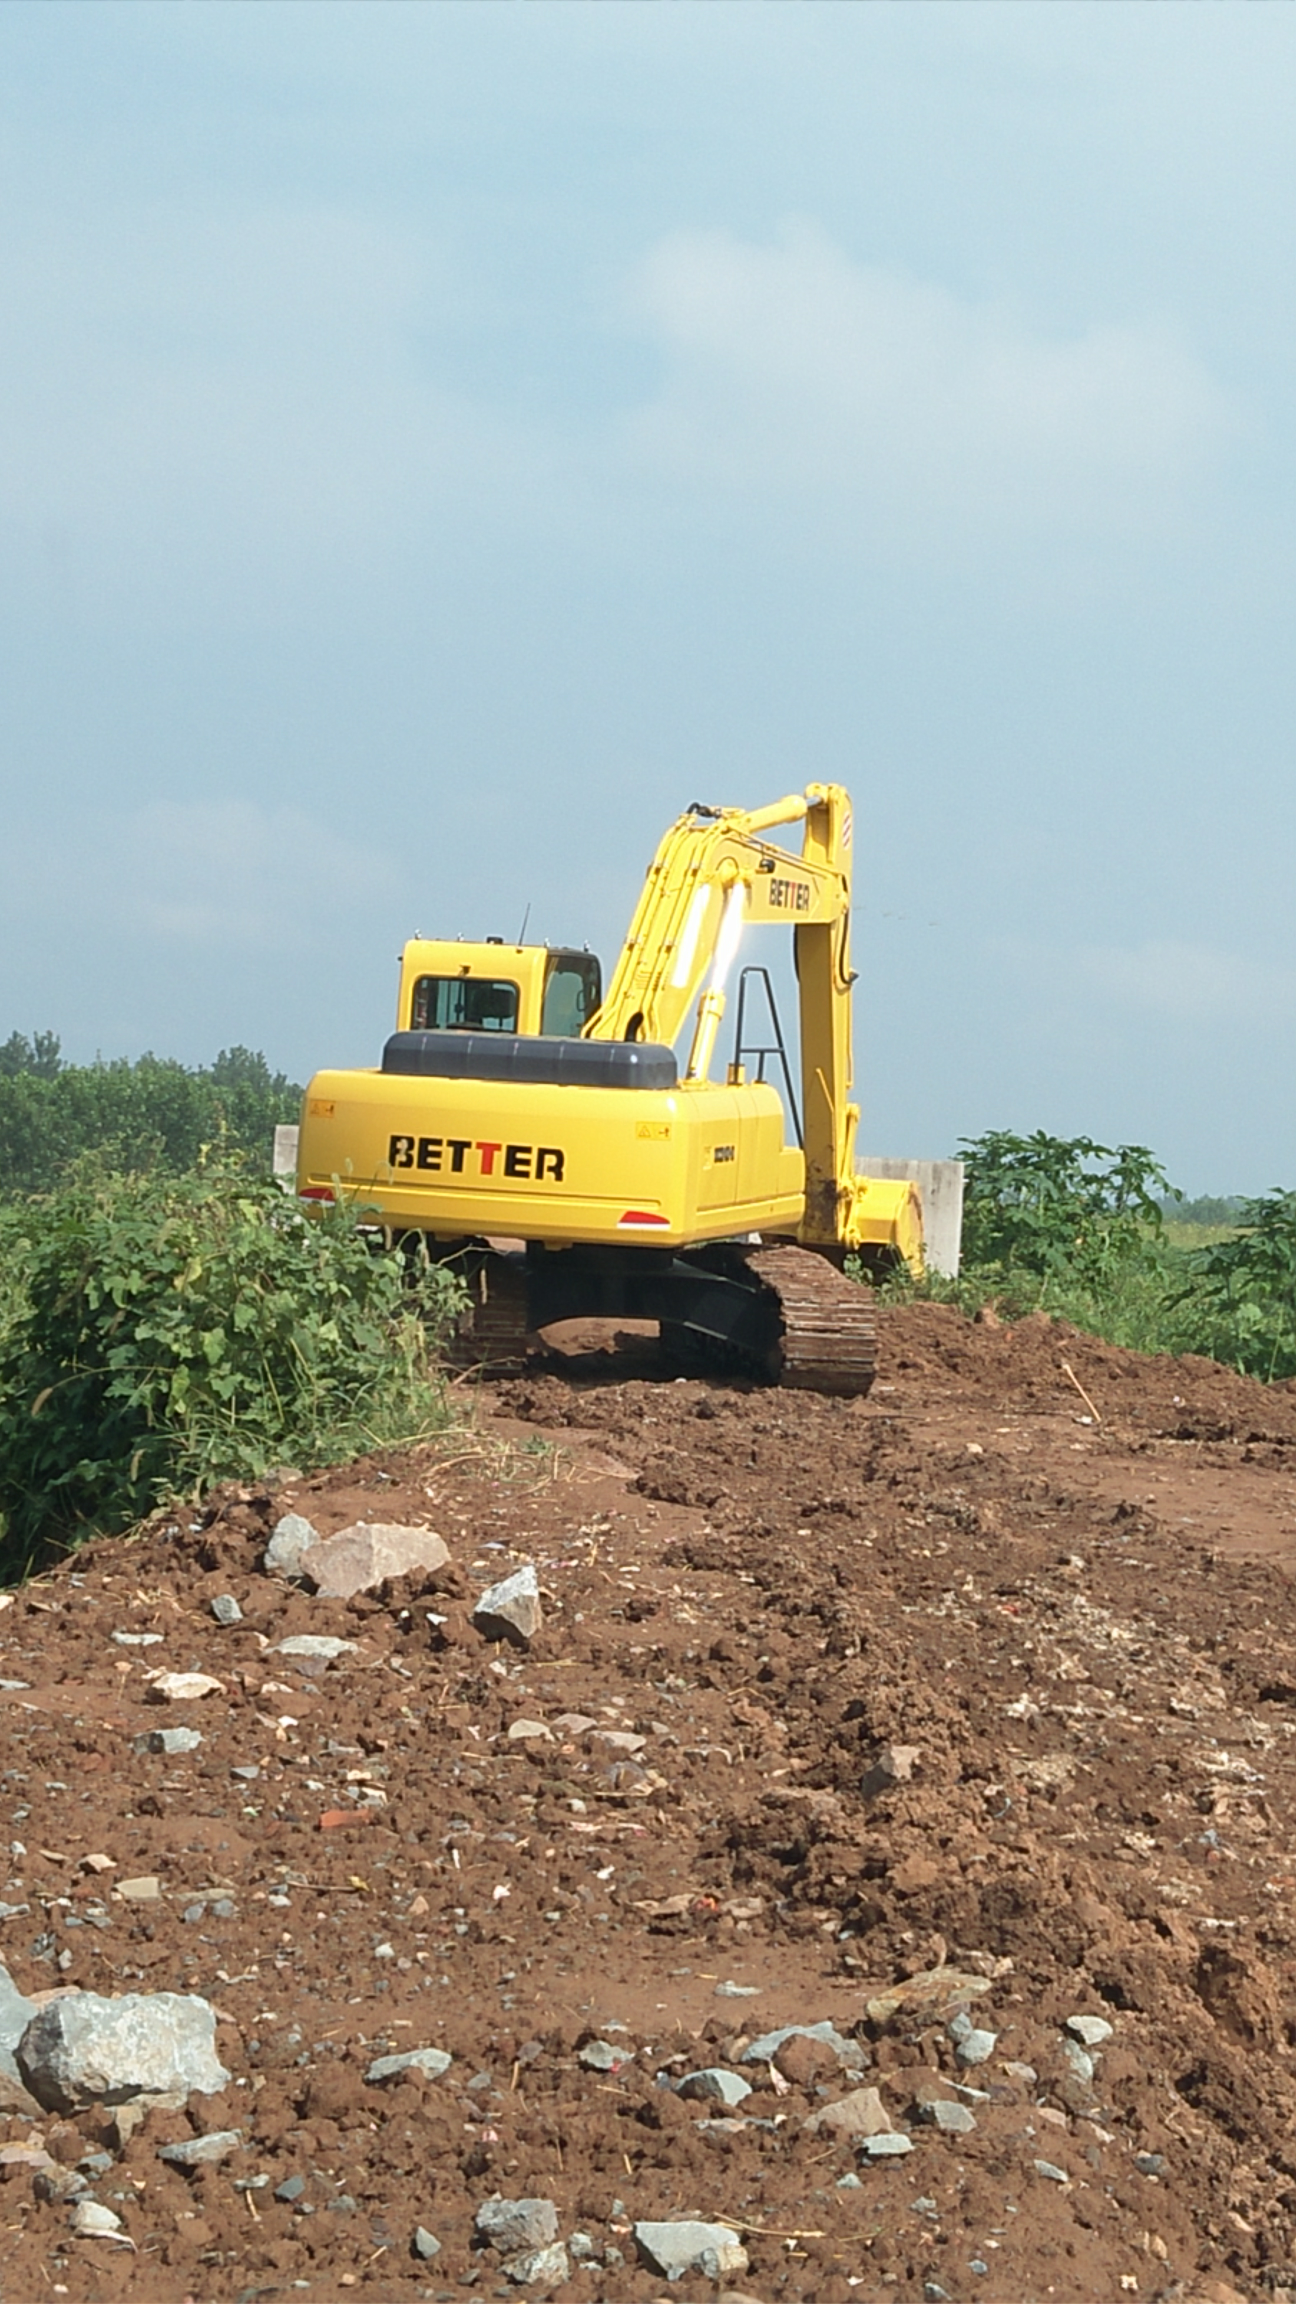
x=641, y=1216
x=315, y=1192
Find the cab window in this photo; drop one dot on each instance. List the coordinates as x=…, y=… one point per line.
x=464, y=1004
x=571, y=994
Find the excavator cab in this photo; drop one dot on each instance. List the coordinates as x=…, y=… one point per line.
x=545, y=990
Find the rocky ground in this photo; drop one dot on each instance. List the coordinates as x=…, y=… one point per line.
x=956, y=1723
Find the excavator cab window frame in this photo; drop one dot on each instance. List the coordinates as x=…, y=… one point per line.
x=472, y=991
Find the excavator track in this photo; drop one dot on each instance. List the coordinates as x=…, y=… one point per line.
x=828, y=1341
x=492, y=1333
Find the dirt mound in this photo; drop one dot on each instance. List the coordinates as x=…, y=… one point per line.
x=958, y=1720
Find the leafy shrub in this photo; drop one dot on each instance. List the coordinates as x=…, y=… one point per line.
x=1061, y=1208
x=1242, y=1291
x=165, y=1333
x=153, y=1113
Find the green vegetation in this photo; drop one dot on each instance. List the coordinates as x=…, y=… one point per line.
x=150, y=1114
x=159, y=1333
x=1080, y=1230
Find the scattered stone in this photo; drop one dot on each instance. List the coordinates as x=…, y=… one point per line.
x=850, y=2182
x=293, y=1536
x=893, y=1765
x=146, y=1889
x=424, y=2243
x=890, y=2144
x=1090, y=2031
x=171, y=1741
x=86, y=2049
x=516, y=2225
x=138, y=1639
x=16, y=2013
x=862, y=2113
x=1079, y=2061
x=361, y=1557
x=538, y=2267
x=226, y=1609
x=1052, y=2174
x=89, y=2221
x=932, y=1988
x=730, y=1991
x=315, y=1647
x=763, y=2051
x=291, y=2189
x=618, y=1740
x=601, y=2056
x=713, y=2085
x=574, y=1723
x=511, y=1610
x=203, y=2151
x=1023, y=2072
x=971, y=2045
x=182, y=1687
x=671, y=2250
x=952, y=2119
x=433, y=2061
x=530, y=1732
x=1150, y=2163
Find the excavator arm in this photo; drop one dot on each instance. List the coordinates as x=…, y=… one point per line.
x=713, y=875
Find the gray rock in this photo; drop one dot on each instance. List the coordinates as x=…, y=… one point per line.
x=713, y=2085
x=581, y=2248
x=291, y=2188
x=511, y=1610
x=171, y=1741
x=1090, y=2031
x=729, y=1991
x=1079, y=2061
x=1052, y=2174
x=538, y=2267
x=138, y=1639
x=952, y=2119
x=975, y=2047
x=226, y=1609
x=292, y=1537
x=890, y=2145
x=424, y=2243
x=203, y=2151
x=433, y=2061
x=16, y=2014
x=671, y=2250
x=363, y=1556
x=314, y=1647
x=89, y=2050
x=601, y=2056
x=1150, y=2163
x=847, y=2052
x=89, y=2221
x=849, y=2182
x=515, y=2225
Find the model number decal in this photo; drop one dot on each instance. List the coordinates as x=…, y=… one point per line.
x=461, y=1155
x=724, y=1152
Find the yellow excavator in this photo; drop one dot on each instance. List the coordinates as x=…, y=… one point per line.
x=547, y=1137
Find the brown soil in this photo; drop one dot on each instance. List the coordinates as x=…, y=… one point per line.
x=1071, y=1595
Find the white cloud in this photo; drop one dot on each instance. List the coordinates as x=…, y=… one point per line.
x=789, y=366
x=1191, y=984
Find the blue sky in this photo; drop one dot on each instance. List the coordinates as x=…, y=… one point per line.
x=438, y=442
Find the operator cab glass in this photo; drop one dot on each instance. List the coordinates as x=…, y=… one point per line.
x=572, y=992
x=464, y=1004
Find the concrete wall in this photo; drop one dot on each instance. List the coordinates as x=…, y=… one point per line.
x=285, y=1154
x=941, y=1185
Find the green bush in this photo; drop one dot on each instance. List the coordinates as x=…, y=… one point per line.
x=158, y=1334
x=1059, y=1207
x=153, y=1113
x=1241, y=1294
